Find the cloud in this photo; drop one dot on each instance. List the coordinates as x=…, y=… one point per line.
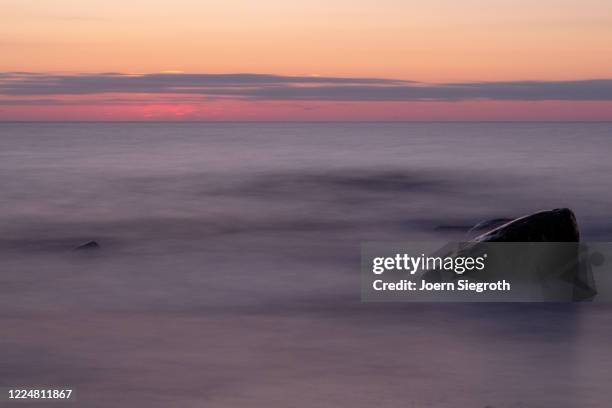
x=15, y=86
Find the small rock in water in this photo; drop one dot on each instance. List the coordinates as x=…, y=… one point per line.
x=558, y=225
x=88, y=246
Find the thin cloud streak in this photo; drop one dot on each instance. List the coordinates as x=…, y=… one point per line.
x=51, y=88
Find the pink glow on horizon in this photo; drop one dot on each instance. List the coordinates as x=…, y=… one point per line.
x=236, y=110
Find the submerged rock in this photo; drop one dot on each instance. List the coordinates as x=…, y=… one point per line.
x=88, y=246
x=558, y=225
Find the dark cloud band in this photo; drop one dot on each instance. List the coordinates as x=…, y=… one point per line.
x=295, y=88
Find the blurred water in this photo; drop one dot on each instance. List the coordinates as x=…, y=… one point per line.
x=229, y=269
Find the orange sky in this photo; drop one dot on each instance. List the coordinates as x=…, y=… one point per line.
x=434, y=41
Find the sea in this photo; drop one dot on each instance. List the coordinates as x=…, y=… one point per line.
x=228, y=268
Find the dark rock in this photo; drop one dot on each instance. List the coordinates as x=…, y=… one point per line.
x=88, y=246
x=563, y=268
x=558, y=225
x=487, y=225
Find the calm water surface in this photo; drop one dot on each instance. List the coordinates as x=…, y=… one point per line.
x=229, y=268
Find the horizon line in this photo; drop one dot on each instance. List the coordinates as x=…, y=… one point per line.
x=301, y=121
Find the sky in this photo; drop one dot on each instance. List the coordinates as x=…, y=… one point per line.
x=305, y=60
